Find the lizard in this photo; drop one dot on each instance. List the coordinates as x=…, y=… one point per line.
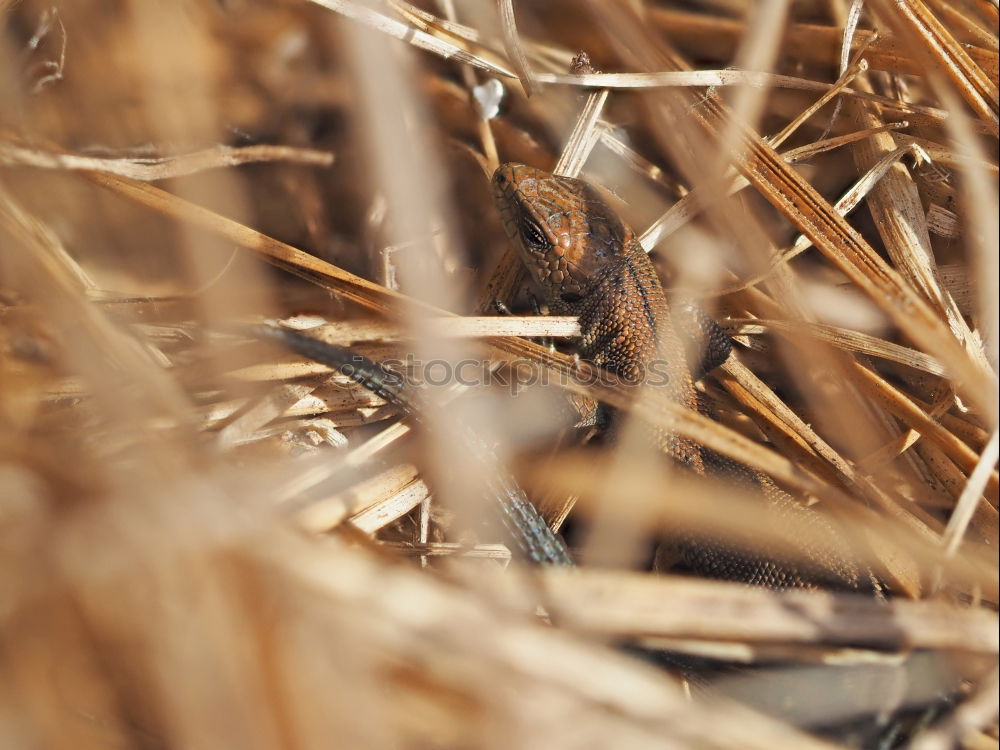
x=588, y=263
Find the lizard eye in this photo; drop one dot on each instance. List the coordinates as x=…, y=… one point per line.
x=570, y=297
x=533, y=236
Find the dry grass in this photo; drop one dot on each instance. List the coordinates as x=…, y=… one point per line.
x=209, y=543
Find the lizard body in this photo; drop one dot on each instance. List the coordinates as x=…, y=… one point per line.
x=588, y=263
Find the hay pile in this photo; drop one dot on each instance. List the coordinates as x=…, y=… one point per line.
x=207, y=542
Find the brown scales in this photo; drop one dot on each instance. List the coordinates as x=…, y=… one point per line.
x=588, y=263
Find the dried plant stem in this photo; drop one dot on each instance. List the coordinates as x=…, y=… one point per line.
x=616, y=604
x=913, y=20
x=164, y=167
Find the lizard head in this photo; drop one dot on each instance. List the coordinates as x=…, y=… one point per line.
x=565, y=232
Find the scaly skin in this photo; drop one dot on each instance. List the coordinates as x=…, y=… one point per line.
x=588, y=263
